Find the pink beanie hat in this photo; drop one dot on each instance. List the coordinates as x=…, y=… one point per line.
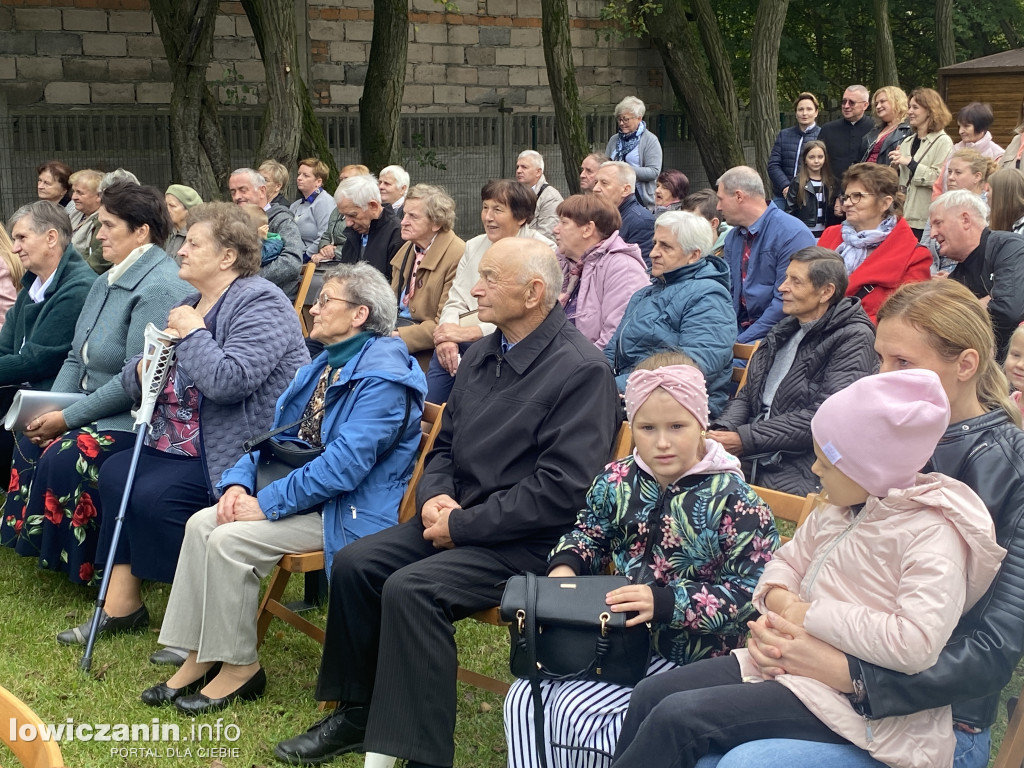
x=882, y=429
x=684, y=383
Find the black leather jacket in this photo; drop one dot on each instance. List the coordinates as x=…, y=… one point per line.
x=986, y=453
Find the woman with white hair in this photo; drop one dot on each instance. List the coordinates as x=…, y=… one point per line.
x=687, y=307
x=393, y=183
x=635, y=145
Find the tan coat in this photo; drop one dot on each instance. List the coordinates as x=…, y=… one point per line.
x=888, y=586
x=934, y=149
x=433, y=282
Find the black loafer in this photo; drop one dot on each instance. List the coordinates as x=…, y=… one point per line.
x=335, y=735
x=170, y=656
x=161, y=694
x=109, y=625
x=198, y=704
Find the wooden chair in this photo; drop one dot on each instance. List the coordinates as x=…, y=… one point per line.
x=742, y=352
x=1011, y=750
x=314, y=561
x=305, y=279
x=38, y=753
x=622, y=447
x=787, y=506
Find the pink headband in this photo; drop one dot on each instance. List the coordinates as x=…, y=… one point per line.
x=683, y=382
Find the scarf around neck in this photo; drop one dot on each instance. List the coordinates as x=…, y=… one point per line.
x=857, y=246
x=629, y=141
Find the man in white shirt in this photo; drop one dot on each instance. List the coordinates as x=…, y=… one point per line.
x=530, y=171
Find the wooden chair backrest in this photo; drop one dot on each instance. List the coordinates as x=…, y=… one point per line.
x=742, y=352
x=37, y=753
x=1011, y=749
x=430, y=425
x=787, y=506
x=305, y=279
x=623, y=442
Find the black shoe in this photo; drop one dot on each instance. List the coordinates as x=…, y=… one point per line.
x=170, y=656
x=161, y=694
x=109, y=625
x=198, y=704
x=335, y=735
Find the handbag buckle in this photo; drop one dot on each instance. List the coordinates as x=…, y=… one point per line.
x=605, y=618
x=521, y=620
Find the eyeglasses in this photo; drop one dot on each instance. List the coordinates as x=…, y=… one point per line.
x=626, y=118
x=855, y=197
x=322, y=301
x=852, y=103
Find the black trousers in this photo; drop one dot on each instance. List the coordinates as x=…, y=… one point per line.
x=705, y=708
x=390, y=639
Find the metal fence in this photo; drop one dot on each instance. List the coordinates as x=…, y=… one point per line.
x=458, y=152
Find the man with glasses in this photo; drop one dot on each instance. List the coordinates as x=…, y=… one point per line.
x=842, y=137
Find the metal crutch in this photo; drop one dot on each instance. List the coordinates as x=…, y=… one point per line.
x=157, y=357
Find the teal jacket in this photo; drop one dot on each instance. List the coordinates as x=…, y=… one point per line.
x=36, y=338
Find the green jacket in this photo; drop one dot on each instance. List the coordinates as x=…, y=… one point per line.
x=36, y=338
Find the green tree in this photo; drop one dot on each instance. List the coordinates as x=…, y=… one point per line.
x=565, y=94
x=381, y=104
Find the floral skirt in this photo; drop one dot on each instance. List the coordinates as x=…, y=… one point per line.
x=53, y=509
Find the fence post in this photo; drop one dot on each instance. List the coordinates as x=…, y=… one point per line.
x=533, y=132
x=503, y=113
x=6, y=160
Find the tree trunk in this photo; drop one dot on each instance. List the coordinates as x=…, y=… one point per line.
x=273, y=26
x=716, y=135
x=186, y=30
x=885, y=53
x=944, y=32
x=565, y=94
x=718, y=58
x=764, y=72
x=381, y=105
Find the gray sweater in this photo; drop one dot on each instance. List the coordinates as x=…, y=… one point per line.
x=113, y=323
x=240, y=368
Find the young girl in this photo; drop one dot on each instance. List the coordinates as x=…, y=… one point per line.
x=812, y=190
x=882, y=572
x=1015, y=366
x=693, y=538
x=969, y=169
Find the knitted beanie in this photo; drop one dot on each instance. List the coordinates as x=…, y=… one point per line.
x=882, y=429
x=186, y=195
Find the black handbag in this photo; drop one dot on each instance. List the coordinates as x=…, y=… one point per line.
x=561, y=629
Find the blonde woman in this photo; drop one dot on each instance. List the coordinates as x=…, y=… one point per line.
x=891, y=126
x=11, y=272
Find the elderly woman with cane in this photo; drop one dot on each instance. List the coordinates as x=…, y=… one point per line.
x=356, y=412
x=227, y=373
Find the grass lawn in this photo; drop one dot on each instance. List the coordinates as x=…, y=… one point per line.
x=35, y=605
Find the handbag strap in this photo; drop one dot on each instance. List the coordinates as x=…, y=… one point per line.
x=530, y=632
x=252, y=443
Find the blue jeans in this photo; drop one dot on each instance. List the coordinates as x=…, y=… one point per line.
x=972, y=751
x=439, y=381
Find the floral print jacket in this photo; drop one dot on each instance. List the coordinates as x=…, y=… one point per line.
x=701, y=545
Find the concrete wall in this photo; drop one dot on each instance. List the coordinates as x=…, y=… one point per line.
x=107, y=52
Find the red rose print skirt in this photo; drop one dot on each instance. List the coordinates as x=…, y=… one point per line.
x=53, y=508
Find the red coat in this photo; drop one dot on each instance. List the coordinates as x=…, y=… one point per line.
x=899, y=259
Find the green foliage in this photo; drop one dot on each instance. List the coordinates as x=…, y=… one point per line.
x=236, y=91
x=426, y=157
x=629, y=17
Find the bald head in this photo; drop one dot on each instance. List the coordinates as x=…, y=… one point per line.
x=519, y=284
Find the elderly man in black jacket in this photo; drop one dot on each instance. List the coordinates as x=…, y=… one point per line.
x=530, y=421
x=825, y=343
x=373, y=233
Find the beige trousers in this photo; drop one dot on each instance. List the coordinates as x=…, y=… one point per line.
x=216, y=590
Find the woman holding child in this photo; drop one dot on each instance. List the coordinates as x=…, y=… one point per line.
x=938, y=326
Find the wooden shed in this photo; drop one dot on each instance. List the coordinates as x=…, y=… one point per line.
x=997, y=80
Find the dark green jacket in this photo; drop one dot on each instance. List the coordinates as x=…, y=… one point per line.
x=36, y=338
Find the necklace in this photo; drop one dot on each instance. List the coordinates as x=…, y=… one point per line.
x=211, y=304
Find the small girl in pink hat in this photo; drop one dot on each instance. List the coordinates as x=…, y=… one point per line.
x=883, y=571
x=678, y=520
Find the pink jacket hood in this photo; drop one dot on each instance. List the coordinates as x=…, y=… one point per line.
x=716, y=461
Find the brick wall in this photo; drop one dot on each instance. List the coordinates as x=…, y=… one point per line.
x=107, y=52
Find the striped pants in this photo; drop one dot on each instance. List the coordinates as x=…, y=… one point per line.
x=582, y=720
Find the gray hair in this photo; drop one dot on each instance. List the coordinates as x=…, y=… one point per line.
x=691, y=231
x=743, y=179
x=962, y=200
x=43, y=216
x=541, y=262
x=600, y=157
x=438, y=206
x=256, y=178
x=115, y=176
x=860, y=89
x=625, y=172
x=366, y=286
x=532, y=154
x=398, y=172
x=632, y=105
x=359, y=189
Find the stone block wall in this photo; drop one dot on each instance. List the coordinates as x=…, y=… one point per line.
x=109, y=52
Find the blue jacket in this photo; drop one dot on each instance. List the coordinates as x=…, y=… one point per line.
x=365, y=409
x=637, y=226
x=785, y=153
x=687, y=309
x=777, y=236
